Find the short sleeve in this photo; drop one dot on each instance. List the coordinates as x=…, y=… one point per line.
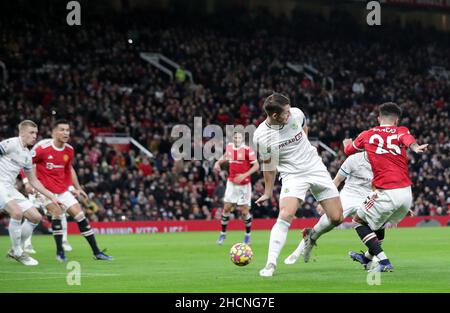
x=299, y=116
x=347, y=167
x=359, y=142
x=6, y=146
x=251, y=155
x=404, y=137
x=36, y=153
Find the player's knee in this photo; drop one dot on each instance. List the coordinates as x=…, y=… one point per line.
x=227, y=208
x=16, y=213
x=286, y=215
x=79, y=216
x=35, y=219
x=336, y=218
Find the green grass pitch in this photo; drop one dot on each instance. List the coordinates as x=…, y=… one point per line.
x=192, y=262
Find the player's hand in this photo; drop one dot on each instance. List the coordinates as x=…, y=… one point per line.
x=217, y=167
x=411, y=213
x=320, y=209
x=29, y=189
x=239, y=178
x=420, y=149
x=261, y=199
x=347, y=141
x=83, y=194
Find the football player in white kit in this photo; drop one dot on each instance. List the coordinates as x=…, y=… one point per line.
x=357, y=174
x=15, y=156
x=283, y=146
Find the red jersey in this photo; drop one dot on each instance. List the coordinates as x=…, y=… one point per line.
x=386, y=150
x=53, y=165
x=240, y=161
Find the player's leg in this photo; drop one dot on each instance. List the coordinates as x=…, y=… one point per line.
x=367, y=258
x=326, y=224
x=16, y=206
x=247, y=218
x=32, y=219
x=15, y=226
x=85, y=229
x=67, y=247
x=55, y=214
x=370, y=217
x=244, y=204
x=326, y=193
x=230, y=199
x=278, y=234
x=27, y=245
x=226, y=213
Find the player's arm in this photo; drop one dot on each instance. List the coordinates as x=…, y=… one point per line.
x=269, y=182
x=409, y=141
x=338, y=179
x=32, y=179
x=352, y=147
x=76, y=187
x=218, y=164
x=418, y=148
x=28, y=188
x=253, y=169
x=305, y=126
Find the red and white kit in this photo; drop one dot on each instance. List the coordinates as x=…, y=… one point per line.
x=240, y=161
x=54, y=170
x=386, y=150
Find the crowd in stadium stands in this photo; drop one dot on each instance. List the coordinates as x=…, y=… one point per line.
x=95, y=78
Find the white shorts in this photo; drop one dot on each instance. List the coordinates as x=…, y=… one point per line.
x=238, y=194
x=319, y=182
x=351, y=201
x=66, y=198
x=386, y=206
x=10, y=193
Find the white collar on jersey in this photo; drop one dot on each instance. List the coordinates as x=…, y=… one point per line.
x=56, y=148
x=386, y=125
x=21, y=143
x=274, y=126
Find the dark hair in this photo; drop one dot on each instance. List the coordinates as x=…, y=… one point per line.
x=59, y=122
x=275, y=103
x=390, y=109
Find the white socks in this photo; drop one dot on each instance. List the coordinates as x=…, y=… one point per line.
x=323, y=226
x=368, y=255
x=15, y=233
x=27, y=231
x=277, y=240
x=382, y=256
x=64, y=226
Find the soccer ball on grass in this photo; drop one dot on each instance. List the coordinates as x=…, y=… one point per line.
x=241, y=254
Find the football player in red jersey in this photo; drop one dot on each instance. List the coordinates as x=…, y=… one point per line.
x=53, y=165
x=242, y=164
x=392, y=196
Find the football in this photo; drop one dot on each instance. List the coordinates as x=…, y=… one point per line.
x=241, y=254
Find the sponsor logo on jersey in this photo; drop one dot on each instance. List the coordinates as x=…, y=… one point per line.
x=297, y=137
x=51, y=166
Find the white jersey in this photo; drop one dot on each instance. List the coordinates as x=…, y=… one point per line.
x=358, y=172
x=13, y=158
x=287, y=146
